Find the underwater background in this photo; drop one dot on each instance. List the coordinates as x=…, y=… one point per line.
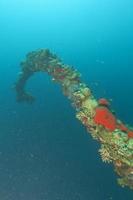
x=45, y=153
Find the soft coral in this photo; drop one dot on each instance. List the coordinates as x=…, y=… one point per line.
x=104, y=117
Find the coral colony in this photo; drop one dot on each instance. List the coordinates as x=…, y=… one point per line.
x=115, y=137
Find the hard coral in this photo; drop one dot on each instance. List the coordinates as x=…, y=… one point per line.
x=104, y=117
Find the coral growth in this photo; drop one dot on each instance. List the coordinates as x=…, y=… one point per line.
x=103, y=102
x=104, y=117
x=122, y=127
x=130, y=134
x=96, y=116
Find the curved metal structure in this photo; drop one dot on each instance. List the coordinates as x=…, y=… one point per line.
x=115, y=137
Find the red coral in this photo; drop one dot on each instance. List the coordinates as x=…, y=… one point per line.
x=122, y=127
x=130, y=134
x=103, y=102
x=104, y=117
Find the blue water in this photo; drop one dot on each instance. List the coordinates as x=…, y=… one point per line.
x=45, y=153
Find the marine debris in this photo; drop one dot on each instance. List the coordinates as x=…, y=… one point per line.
x=115, y=137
